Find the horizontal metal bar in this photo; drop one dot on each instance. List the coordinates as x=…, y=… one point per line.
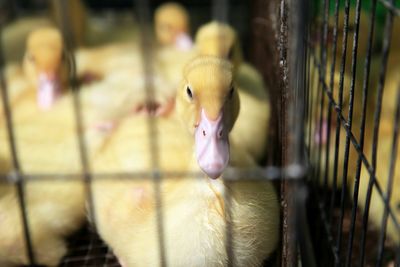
x=292, y=172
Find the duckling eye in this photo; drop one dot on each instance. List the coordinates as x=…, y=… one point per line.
x=230, y=54
x=231, y=93
x=189, y=92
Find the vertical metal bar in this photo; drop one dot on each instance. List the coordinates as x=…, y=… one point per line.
x=350, y=120
x=318, y=120
x=306, y=248
x=349, y=123
x=289, y=248
x=220, y=10
x=308, y=93
x=342, y=70
x=310, y=103
x=297, y=57
x=331, y=86
x=17, y=173
x=63, y=10
x=324, y=60
x=146, y=45
x=328, y=148
x=365, y=88
x=378, y=107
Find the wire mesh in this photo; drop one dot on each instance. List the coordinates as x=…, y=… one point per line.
x=294, y=105
x=347, y=40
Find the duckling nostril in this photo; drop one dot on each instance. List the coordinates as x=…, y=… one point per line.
x=204, y=133
x=220, y=133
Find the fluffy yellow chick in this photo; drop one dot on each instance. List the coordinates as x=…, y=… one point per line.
x=34, y=89
x=172, y=26
x=55, y=210
x=15, y=33
x=45, y=67
x=122, y=64
x=194, y=212
x=98, y=62
x=219, y=39
x=43, y=77
x=42, y=146
x=251, y=128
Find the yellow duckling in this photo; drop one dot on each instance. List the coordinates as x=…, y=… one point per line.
x=55, y=209
x=43, y=77
x=41, y=145
x=172, y=26
x=251, y=128
x=15, y=33
x=194, y=212
x=44, y=67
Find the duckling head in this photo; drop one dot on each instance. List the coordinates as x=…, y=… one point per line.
x=43, y=64
x=208, y=104
x=220, y=40
x=172, y=25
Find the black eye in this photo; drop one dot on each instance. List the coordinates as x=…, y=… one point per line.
x=230, y=54
x=189, y=92
x=231, y=92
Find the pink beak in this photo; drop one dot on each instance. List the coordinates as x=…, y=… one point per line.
x=183, y=42
x=48, y=91
x=212, y=145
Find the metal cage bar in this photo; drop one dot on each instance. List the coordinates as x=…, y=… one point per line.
x=328, y=207
x=16, y=174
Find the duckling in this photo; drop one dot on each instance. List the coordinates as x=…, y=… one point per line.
x=114, y=57
x=251, y=128
x=43, y=65
x=172, y=26
x=123, y=63
x=15, y=33
x=43, y=78
x=194, y=213
x=55, y=209
x=33, y=91
x=42, y=146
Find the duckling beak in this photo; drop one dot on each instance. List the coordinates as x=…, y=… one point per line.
x=183, y=42
x=212, y=145
x=48, y=90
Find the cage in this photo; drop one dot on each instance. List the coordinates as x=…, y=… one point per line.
x=330, y=70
